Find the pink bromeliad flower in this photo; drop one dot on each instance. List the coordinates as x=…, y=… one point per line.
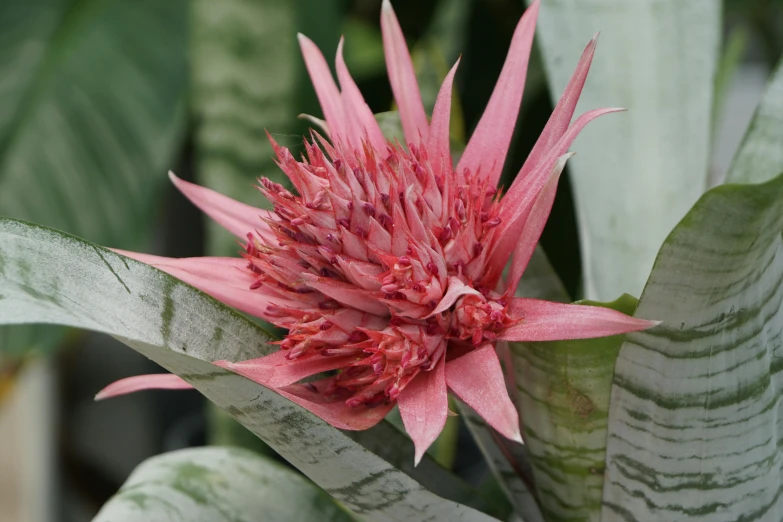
x=386, y=263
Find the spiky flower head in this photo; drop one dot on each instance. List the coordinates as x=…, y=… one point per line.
x=385, y=262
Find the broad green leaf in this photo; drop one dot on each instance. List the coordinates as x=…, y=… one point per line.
x=244, y=61
x=563, y=397
x=761, y=155
x=637, y=173
x=694, y=422
x=48, y=276
x=695, y=417
x=90, y=119
x=218, y=485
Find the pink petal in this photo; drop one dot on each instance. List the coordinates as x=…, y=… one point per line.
x=224, y=278
x=325, y=88
x=438, y=145
x=477, y=379
x=455, y=290
x=156, y=381
x=564, y=111
x=424, y=406
x=533, y=227
x=489, y=143
x=548, y=321
x=238, y=218
x=361, y=123
x=275, y=370
x=338, y=414
x=402, y=77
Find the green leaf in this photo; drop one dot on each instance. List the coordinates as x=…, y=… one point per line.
x=244, y=62
x=563, y=396
x=636, y=173
x=695, y=417
x=91, y=118
x=48, y=276
x=761, y=156
x=694, y=421
x=217, y=485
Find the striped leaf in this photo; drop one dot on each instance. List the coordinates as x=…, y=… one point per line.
x=49, y=277
x=563, y=396
x=695, y=417
x=90, y=119
x=646, y=167
x=217, y=485
x=695, y=413
x=244, y=61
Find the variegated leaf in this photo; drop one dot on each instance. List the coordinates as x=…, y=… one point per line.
x=563, y=397
x=218, y=485
x=48, y=276
x=695, y=421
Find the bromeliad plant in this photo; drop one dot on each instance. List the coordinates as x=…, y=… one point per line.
x=387, y=264
x=395, y=273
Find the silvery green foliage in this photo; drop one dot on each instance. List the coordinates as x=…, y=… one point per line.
x=637, y=173
x=696, y=403
x=48, y=276
x=218, y=485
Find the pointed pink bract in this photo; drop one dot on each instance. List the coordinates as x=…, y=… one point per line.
x=155, y=381
x=547, y=321
x=236, y=217
x=488, y=146
x=402, y=77
x=424, y=406
x=477, y=379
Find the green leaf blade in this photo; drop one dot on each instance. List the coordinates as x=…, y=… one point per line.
x=695, y=418
x=217, y=485
x=50, y=277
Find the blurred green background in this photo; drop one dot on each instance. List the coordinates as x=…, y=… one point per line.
x=99, y=98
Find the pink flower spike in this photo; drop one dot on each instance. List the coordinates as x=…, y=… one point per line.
x=402, y=77
x=238, y=218
x=489, y=143
x=424, y=407
x=477, y=379
x=438, y=144
x=360, y=122
x=547, y=321
x=155, y=381
x=534, y=226
x=325, y=88
x=564, y=111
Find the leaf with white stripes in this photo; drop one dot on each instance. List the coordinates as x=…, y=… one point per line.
x=696, y=411
x=218, y=485
x=50, y=277
x=563, y=397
